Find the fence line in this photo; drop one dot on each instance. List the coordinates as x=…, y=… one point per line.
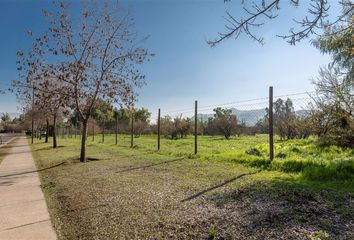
x=253, y=116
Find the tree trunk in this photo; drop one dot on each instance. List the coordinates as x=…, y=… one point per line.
x=54, y=131
x=32, y=128
x=83, y=141
x=47, y=131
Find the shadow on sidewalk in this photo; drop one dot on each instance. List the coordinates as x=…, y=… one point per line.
x=27, y=224
x=39, y=170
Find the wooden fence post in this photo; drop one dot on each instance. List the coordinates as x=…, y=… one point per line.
x=196, y=128
x=158, y=129
x=271, y=131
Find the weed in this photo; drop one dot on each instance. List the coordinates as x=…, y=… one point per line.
x=320, y=235
x=254, y=151
x=213, y=232
x=48, y=185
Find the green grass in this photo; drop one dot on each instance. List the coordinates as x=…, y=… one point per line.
x=296, y=156
x=222, y=193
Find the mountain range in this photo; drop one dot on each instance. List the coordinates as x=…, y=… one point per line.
x=249, y=117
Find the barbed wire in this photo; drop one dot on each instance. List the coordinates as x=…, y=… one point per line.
x=206, y=107
x=249, y=111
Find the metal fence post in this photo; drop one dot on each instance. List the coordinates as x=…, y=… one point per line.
x=158, y=129
x=103, y=129
x=196, y=128
x=116, y=129
x=271, y=131
x=132, y=131
x=93, y=131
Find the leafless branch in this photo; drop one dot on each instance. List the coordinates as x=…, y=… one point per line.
x=261, y=11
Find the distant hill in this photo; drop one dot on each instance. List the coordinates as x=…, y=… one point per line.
x=250, y=117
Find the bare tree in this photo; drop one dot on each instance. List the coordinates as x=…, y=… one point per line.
x=39, y=83
x=333, y=88
x=100, y=55
x=225, y=122
x=256, y=13
x=54, y=104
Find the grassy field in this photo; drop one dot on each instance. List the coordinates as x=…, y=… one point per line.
x=307, y=192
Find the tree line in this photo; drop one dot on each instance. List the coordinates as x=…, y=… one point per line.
x=79, y=59
x=82, y=65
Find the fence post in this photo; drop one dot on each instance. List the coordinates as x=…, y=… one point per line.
x=196, y=128
x=132, y=131
x=271, y=131
x=93, y=131
x=158, y=129
x=116, y=129
x=103, y=130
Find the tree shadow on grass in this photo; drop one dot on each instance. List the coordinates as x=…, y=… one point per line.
x=47, y=148
x=150, y=165
x=283, y=209
x=218, y=186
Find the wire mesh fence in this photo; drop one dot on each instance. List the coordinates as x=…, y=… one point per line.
x=198, y=129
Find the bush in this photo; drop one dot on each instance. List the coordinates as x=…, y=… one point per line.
x=253, y=151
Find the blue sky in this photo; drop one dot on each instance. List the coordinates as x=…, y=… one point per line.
x=185, y=68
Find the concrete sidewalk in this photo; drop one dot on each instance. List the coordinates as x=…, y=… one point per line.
x=23, y=210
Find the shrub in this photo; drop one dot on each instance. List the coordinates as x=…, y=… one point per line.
x=253, y=151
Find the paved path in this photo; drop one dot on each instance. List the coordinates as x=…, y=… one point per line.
x=23, y=210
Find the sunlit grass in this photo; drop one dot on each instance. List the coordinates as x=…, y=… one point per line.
x=301, y=156
x=144, y=193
